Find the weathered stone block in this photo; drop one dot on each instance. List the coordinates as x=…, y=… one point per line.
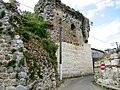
x=4, y=75
x=7, y=57
x=115, y=55
x=10, y=88
x=115, y=62
x=3, y=45
x=21, y=87
x=1, y=81
x=7, y=82
x=2, y=41
x=17, y=37
x=22, y=74
x=10, y=70
x=2, y=87
x=107, y=62
x=19, y=41
x=2, y=57
x=14, y=56
x=13, y=82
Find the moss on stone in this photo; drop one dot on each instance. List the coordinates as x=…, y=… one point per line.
x=22, y=62
x=1, y=24
x=27, y=54
x=0, y=63
x=7, y=57
x=2, y=14
x=11, y=63
x=13, y=50
x=8, y=6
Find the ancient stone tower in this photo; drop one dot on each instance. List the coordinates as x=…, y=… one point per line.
x=75, y=27
x=76, y=53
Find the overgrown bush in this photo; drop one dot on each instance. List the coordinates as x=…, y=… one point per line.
x=26, y=36
x=33, y=23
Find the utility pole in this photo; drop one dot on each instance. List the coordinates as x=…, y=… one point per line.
x=117, y=47
x=60, y=57
x=60, y=52
x=60, y=40
x=117, y=44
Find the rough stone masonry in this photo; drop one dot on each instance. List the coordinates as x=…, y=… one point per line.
x=14, y=68
x=76, y=53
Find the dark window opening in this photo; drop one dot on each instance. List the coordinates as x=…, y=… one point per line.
x=72, y=26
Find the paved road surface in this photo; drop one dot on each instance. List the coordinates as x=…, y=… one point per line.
x=82, y=83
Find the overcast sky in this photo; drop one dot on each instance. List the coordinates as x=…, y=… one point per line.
x=105, y=15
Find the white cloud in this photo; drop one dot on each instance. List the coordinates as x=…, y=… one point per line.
x=100, y=5
x=117, y=3
x=102, y=15
x=91, y=13
x=107, y=33
x=103, y=4
x=79, y=3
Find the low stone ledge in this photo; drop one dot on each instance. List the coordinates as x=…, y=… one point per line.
x=108, y=86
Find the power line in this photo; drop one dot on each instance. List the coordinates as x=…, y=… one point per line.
x=26, y=5
x=99, y=39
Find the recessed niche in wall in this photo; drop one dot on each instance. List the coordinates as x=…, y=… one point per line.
x=72, y=27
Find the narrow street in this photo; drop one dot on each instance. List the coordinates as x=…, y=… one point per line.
x=81, y=83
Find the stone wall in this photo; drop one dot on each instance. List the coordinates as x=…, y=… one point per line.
x=110, y=77
x=23, y=66
x=76, y=54
x=10, y=55
x=76, y=60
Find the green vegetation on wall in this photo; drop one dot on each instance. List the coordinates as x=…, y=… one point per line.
x=2, y=14
x=35, y=27
x=11, y=63
x=34, y=24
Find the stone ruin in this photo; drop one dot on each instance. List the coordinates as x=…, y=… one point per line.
x=75, y=27
x=14, y=69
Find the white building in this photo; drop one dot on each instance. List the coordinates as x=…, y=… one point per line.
x=97, y=53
